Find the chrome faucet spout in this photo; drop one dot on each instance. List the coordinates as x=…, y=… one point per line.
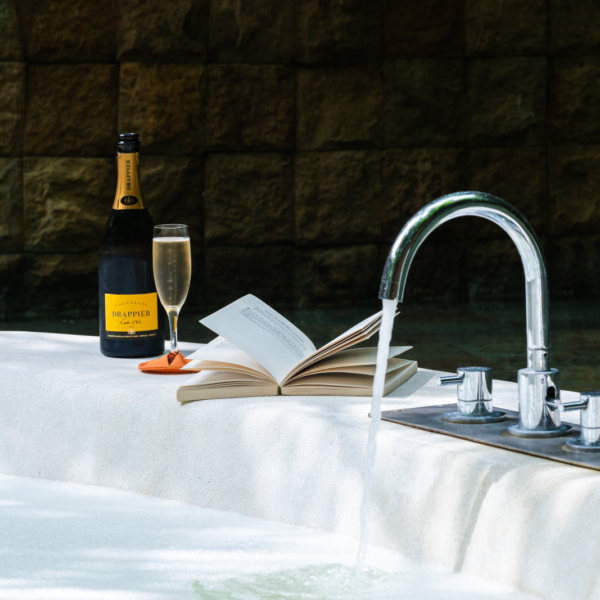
x=479, y=204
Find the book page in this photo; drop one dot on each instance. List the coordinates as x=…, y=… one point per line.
x=221, y=350
x=263, y=333
x=363, y=331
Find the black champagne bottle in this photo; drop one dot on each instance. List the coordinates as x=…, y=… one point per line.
x=131, y=317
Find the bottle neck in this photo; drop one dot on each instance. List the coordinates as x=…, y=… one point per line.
x=129, y=190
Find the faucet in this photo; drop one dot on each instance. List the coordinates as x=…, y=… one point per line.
x=539, y=385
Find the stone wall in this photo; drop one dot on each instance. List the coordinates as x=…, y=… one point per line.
x=296, y=137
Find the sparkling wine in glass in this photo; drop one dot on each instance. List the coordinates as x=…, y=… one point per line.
x=172, y=264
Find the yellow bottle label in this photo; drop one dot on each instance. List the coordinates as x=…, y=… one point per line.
x=131, y=313
x=129, y=191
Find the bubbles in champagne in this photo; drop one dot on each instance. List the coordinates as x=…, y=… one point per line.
x=172, y=264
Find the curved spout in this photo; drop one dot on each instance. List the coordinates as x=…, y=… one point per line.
x=502, y=213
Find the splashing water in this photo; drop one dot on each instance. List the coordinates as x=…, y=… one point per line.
x=383, y=349
x=311, y=582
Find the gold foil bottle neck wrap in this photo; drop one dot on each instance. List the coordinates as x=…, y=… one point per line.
x=129, y=190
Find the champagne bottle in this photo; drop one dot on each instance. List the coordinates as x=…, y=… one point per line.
x=131, y=317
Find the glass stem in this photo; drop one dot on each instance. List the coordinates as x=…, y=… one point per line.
x=173, y=314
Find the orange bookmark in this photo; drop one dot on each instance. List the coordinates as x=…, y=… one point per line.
x=169, y=363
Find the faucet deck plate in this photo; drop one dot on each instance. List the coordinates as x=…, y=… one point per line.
x=430, y=419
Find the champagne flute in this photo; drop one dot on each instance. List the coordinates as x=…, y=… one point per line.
x=172, y=264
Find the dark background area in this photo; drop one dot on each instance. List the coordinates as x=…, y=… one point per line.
x=295, y=138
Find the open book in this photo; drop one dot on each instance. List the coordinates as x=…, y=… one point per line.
x=260, y=353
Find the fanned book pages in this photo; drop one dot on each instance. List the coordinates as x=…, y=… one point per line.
x=260, y=353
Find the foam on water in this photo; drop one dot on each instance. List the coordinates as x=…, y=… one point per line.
x=383, y=350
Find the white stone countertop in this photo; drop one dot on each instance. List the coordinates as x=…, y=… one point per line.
x=68, y=413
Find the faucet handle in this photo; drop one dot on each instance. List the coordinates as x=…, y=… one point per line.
x=450, y=379
x=475, y=404
x=589, y=437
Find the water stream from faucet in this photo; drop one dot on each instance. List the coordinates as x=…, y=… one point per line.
x=383, y=349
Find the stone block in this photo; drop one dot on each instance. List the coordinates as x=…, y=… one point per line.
x=339, y=107
x=11, y=205
x=12, y=106
x=338, y=32
x=250, y=107
x=266, y=272
x=165, y=104
x=256, y=31
x=438, y=273
x=423, y=102
x=67, y=202
x=574, y=27
x=249, y=199
x=517, y=175
x=429, y=28
x=413, y=177
x=505, y=27
x=70, y=30
x=11, y=290
x=506, y=102
x=574, y=101
x=574, y=182
x=196, y=301
x=71, y=110
x=11, y=44
x=495, y=270
x=336, y=277
x=61, y=286
x=574, y=266
x=172, y=188
x=174, y=31
x=338, y=197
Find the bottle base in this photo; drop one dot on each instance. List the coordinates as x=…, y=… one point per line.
x=112, y=350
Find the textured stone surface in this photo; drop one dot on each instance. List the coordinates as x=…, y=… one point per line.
x=574, y=27
x=69, y=283
x=438, y=273
x=11, y=46
x=423, y=29
x=176, y=30
x=436, y=499
x=574, y=268
x=265, y=272
x=11, y=290
x=575, y=100
x=70, y=30
x=173, y=192
x=12, y=104
x=67, y=202
x=505, y=27
x=11, y=205
x=250, y=107
x=333, y=31
x=495, y=270
x=338, y=107
x=338, y=197
x=412, y=177
x=506, y=101
x=517, y=175
x=172, y=188
x=256, y=31
x=574, y=184
x=423, y=102
x=71, y=110
x=164, y=103
x=249, y=199
x=339, y=276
